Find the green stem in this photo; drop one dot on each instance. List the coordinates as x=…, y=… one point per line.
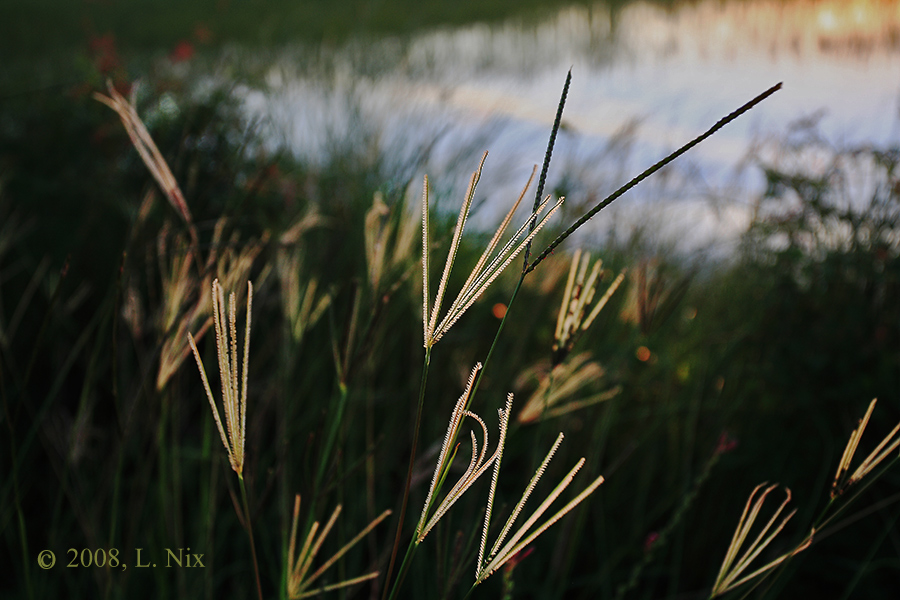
x=410, y=551
x=332, y=433
x=686, y=502
x=250, y=533
x=409, y=473
x=163, y=458
x=404, y=567
x=493, y=344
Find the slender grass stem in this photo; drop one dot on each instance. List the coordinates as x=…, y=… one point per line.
x=404, y=566
x=163, y=458
x=409, y=472
x=250, y=533
x=335, y=425
x=493, y=347
x=664, y=533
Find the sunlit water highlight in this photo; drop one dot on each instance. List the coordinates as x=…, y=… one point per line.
x=645, y=80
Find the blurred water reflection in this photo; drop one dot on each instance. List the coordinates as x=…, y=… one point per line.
x=645, y=80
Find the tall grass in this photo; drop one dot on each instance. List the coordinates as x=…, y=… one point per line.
x=662, y=381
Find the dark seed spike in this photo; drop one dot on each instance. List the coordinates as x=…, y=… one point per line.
x=546, y=167
x=615, y=195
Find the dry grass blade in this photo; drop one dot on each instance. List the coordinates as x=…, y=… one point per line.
x=490, y=503
x=297, y=581
x=187, y=297
x=483, y=279
x=492, y=245
x=451, y=255
x=389, y=241
x=603, y=300
x=729, y=576
x=516, y=545
x=149, y=153
x=455, y=419
x=302, y=302
x=234, y=385
x=574, y=405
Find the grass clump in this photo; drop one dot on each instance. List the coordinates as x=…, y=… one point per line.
x=695, y=378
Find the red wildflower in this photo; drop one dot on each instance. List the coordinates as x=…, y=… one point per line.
x=726, y=443
x=182, y=52
x=104, y=54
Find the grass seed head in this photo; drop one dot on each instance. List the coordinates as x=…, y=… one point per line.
x=234, y=382
x=887, y=446
x=488, y=267
x=299, y=578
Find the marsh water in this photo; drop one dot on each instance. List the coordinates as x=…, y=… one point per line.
x=646, y=79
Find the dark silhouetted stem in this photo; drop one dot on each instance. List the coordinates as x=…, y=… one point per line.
x=546, y=166
x=615, y=195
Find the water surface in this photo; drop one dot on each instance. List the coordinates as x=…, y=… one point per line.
x=645, y=80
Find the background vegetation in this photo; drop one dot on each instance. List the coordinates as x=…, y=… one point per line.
x=750, y=369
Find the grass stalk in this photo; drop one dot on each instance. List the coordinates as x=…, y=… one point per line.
x=429, y=333
x=333, y=428
x=249, y=524
x=405, y=501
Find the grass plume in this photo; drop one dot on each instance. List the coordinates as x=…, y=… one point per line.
x=299, y=563
x=488, y=267
x=234, y=382
x=733, y=567
x=501, y=553
x=888, y=445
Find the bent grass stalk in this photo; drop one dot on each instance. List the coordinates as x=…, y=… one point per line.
x=479, y=463
x=151, y=156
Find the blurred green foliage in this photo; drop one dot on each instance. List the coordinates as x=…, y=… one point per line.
x=777, y=350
